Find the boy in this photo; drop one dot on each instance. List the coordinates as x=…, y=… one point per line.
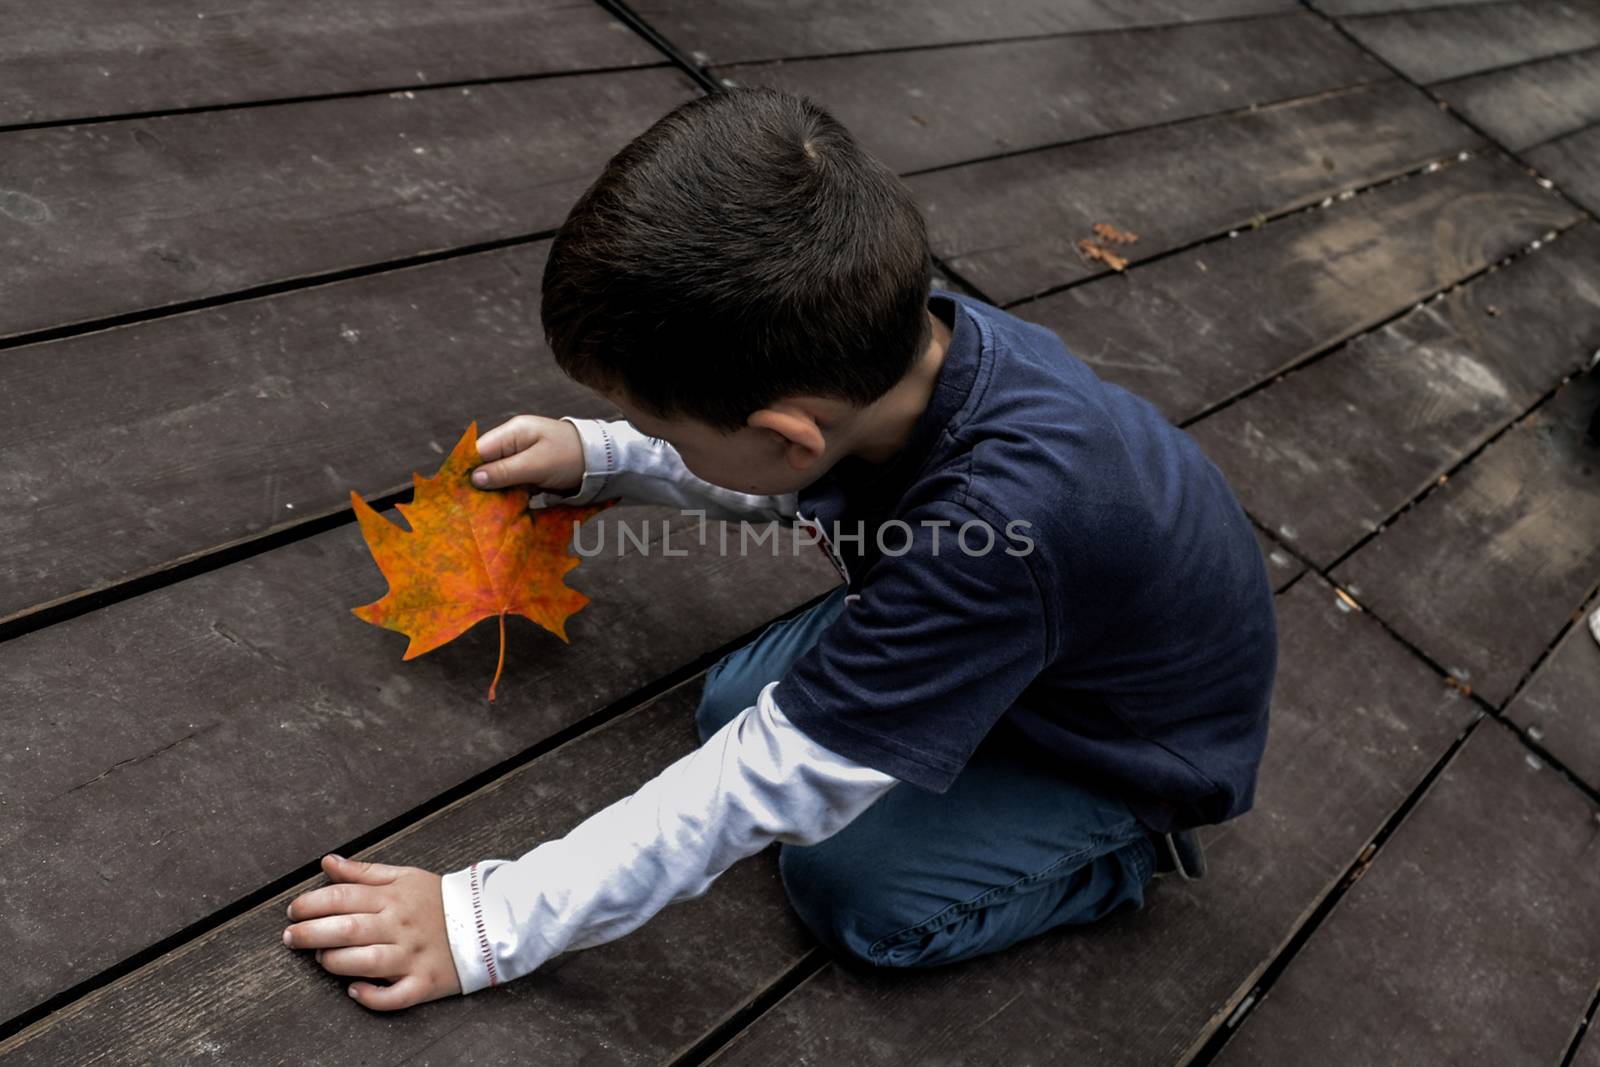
x=1054, y=650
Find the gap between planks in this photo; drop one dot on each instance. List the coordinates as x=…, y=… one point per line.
x=311, y=98
x=1012, y=39
x=1451, y=472
x=1584, y=1026
x=1551, y=58
x=1089, y=138
x=1574, y=132
x=1236, y=1013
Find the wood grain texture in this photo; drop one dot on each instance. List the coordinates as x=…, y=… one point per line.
x=1573, y=163
x=1473, y=938
x=77, y=59
x=159, y=211
x=1195, y=329
x=1327, y=455
x=237, y=995
x=1450, y=42
x=1530, y=104
x=1557, y=708
x=1485, y=571
x=1357, y=722
x=245, y=715
x=924, y=109
x=1011, y=225
x=224, y=424
x=740, y=31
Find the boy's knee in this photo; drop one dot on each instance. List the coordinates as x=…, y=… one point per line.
x=834, y=900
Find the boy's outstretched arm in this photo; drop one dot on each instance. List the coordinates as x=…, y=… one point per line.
x=757, y=780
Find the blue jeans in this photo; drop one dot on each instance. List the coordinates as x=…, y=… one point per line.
x=1013, y=849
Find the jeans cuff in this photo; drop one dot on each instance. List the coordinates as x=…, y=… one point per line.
x=1143, y=858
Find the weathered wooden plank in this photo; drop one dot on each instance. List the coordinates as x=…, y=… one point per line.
x=924, y=109
x=1282, y=566
x=1483, y=573
x=1192, y=330
x=208, y=428
x=1530, y=104
x=1011, y=225
x=77, y=58
x=1357, y=722
x=1449, y=42
x=738, y=31
x=1473, y=938
x=164, y=210
x=1557, y=709
x=1327, y=455
x=237, y=995
x=1573, y=163
x=179, y=749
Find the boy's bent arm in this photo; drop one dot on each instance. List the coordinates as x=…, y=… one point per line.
x=622, y=463
x=757, y=780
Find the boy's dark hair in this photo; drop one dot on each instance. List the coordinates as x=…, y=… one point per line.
x=742, y=249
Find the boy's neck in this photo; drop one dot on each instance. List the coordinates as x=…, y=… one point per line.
x=885, y=427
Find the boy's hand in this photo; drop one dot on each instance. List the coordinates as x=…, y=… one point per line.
x=378, y=922
x=531, y=450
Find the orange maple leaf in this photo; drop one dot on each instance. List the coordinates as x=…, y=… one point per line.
x=470, y=553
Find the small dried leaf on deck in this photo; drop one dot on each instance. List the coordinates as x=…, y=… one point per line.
x=1090, y=250
x=1107, y=232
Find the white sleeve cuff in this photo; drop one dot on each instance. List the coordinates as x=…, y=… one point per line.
x=600, y=458
x=463, y=922
x=619, y=462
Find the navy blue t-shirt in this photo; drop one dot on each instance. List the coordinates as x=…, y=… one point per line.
x=1048, y=554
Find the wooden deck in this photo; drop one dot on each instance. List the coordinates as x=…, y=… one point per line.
x=255, y=255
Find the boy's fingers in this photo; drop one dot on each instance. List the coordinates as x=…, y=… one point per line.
x=335, y=931
x=509, y=438
x=343, y=870
x=365, y=961
x=341, y=898
x=492, y=445
x=529, y=467
x=402, y=994
x=500, y=473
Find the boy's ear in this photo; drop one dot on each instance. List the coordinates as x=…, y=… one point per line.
x=803, y=443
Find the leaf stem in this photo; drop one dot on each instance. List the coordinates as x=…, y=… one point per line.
x=502, y=663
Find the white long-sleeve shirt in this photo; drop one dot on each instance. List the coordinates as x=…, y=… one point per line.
x=757, y=780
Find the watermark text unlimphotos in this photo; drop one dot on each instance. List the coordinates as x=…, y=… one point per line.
x=896, y=537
